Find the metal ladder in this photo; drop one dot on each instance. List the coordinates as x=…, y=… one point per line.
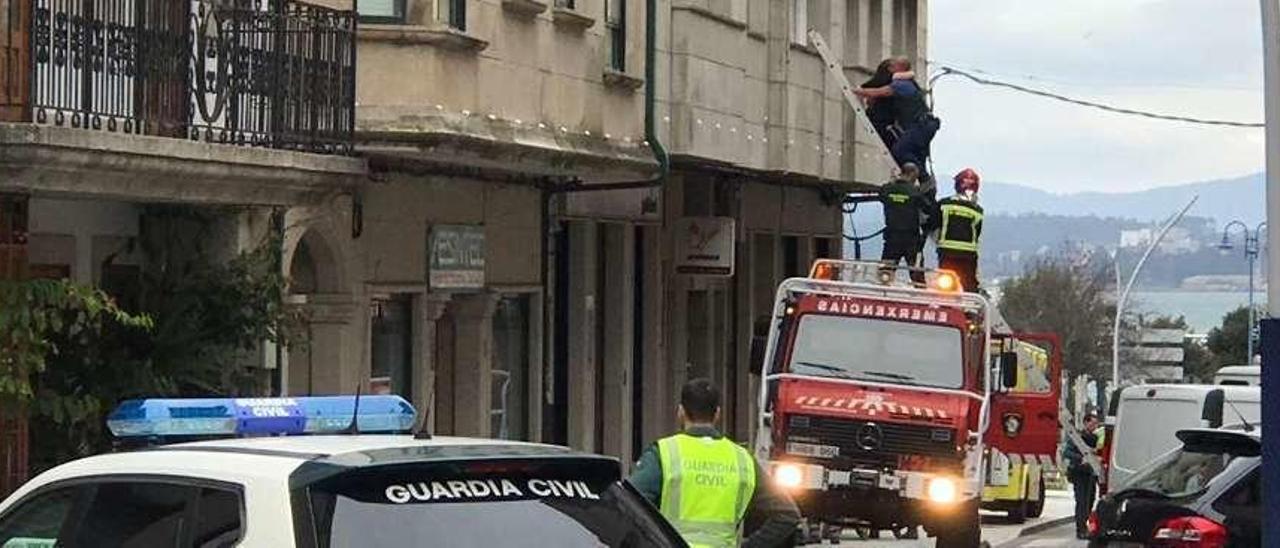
x=836, y=70
x=1073, y=435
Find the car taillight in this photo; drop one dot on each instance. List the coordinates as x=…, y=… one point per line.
x=1092, y=524
x=1192, y=531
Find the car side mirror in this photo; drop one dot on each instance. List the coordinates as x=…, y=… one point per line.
x=755, y=362
x=1008, y=369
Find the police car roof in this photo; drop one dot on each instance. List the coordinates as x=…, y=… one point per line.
x=253, y=459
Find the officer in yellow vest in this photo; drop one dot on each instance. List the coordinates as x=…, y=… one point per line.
x=960, y=229
x=708, y=487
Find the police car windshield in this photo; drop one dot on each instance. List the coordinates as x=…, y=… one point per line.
x=878, y=350
x=570, y=504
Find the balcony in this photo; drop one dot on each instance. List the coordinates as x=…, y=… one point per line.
x=237, y=91
x=277, y=74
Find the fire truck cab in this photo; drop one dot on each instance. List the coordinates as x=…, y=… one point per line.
x=877, y=397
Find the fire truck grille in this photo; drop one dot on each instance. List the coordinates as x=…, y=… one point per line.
x=894, y=439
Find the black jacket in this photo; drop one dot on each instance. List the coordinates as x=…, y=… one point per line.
x=904, y=205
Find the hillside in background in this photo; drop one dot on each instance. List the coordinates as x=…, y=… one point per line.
x=1222, y=200
x=1024, y=223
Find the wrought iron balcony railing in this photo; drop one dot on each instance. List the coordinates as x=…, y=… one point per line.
x=269, y=73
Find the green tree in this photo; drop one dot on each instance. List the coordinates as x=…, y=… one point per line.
x=199, y=320
x=1229, y=341
x=1068, y=298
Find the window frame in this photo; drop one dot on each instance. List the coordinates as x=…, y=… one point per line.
x=617, y=31
x=452, y=13
x=89, y=485
x=399, y=17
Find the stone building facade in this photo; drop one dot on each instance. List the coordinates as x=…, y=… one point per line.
x=499, y=239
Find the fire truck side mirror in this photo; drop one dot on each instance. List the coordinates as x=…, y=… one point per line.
x=1008, y=369
x=755, y=362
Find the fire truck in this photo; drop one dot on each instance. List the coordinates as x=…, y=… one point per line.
x=886, y=405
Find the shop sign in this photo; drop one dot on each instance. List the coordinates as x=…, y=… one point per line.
x=705, y=246
x=456, y=257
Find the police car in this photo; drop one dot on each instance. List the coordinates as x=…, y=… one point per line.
x=292, y=472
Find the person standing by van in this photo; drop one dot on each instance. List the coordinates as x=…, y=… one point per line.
x=1082, y=477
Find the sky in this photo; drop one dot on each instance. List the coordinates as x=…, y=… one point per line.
x=1200, y=58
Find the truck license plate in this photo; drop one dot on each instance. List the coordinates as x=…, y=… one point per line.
x=813, y=450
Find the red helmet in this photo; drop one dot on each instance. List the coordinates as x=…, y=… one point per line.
x=967, y=181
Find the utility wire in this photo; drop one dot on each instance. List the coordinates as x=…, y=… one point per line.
x=945, y=71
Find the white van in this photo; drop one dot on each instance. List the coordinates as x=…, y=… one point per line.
x=1148, y=417
x=1239, y=375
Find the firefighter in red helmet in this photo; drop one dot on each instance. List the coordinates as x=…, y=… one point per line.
x=959, y=222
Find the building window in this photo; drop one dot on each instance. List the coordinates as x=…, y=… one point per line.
x=615, y=13
x=382, y=11
x=511, y=369
x=452, y=13
x=391, y=345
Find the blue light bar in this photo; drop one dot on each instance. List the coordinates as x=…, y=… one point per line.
x=259, y=416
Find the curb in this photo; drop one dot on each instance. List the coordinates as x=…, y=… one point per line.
x=1045, y=526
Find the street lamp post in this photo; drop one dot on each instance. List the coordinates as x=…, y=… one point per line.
x=1133, y=277
x=1251, y=249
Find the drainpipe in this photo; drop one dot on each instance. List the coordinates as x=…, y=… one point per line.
x=650, y=115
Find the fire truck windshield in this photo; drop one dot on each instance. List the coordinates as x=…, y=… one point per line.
x=878, y=350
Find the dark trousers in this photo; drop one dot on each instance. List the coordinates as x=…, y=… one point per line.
x=1086, y=488
x=913, y=143
x=902, y=248
x=965, y=265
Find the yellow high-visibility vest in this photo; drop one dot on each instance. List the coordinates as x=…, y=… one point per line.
x=707, y=484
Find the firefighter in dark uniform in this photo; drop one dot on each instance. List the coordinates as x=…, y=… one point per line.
x=904, y=203
x=960, y=229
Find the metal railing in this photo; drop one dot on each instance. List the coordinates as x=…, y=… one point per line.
x=269, y=73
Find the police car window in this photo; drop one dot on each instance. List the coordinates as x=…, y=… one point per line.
x=566, y=506
x=131, y=514
x=218, y=519
x=40, y=521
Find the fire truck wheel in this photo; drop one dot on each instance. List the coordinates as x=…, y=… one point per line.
x=1036, y=508
x=1018, y=514
x=964, y=532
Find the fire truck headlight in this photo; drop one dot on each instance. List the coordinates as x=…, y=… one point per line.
x=942, y=490
x=789, y=476
x=946, y=281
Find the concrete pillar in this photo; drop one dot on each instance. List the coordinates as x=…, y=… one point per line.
x=582, y=351
x=473, y=364
x=320, y=365
x=659, y=410
x=619, y=338
x=427, y=311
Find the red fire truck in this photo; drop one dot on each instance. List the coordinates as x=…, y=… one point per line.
x=880, y=400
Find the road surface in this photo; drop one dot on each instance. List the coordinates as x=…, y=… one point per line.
x=1062, y=536
x=996, y=529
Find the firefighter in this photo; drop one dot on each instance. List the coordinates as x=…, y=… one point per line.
x=903, y=204
x=914, y=125
x=959, y=221
x=708, y=487
x=1084, y=482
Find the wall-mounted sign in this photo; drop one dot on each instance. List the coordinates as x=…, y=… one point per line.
x=704, y=246
x=455, y=258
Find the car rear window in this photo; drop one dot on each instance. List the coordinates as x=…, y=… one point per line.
x=535, y=504
x=1183, y=472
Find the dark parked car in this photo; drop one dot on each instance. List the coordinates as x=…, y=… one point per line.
x=1206, y=493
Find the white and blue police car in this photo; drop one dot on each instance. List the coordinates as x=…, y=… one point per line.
x=281, y=472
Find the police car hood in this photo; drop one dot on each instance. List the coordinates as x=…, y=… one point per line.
x=852, y=400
